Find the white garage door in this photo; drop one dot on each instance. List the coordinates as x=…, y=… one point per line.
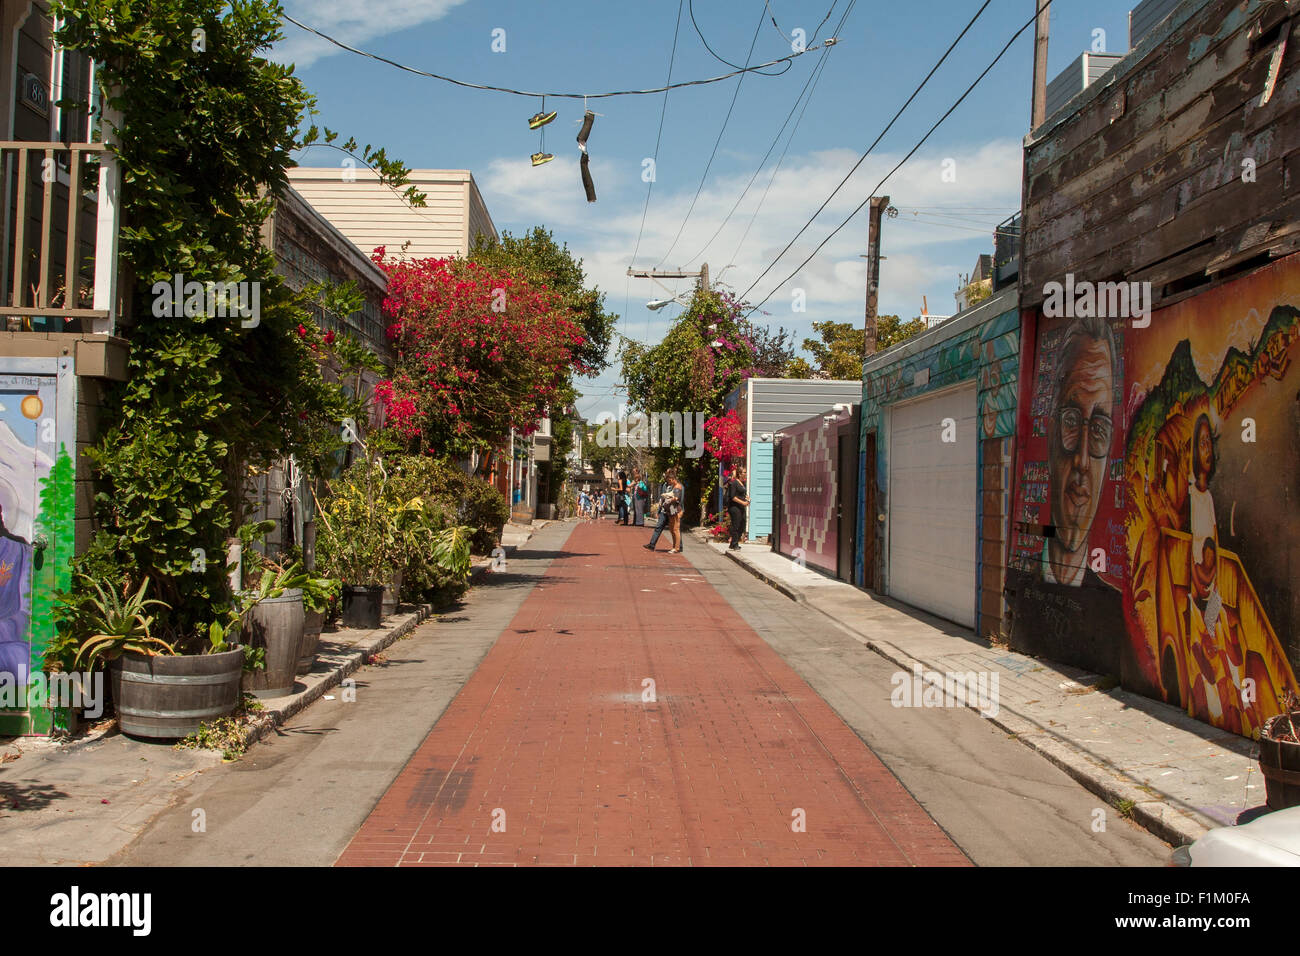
x=932, y=492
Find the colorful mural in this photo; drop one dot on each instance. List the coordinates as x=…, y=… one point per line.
x=1155, y=515
x=1212, y=465
x=810, y=493
x=36, y=537
x=1067, y=554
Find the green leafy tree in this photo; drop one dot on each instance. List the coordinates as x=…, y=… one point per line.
x=890, y=330
x=688, y=373
x=203, y=140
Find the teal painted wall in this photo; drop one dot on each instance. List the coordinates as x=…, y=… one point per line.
x=760, y=488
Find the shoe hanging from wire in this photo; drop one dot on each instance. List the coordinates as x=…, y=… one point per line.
x=538, y=121
x=588, y=185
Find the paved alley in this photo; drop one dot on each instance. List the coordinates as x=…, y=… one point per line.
x=629, y=715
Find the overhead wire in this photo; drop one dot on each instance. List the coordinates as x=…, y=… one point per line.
x=862, y=158
x=650, y=184
x=716, y=143
x=699, y=33
x=819, y=71
x=538, y=93
x=921, y=142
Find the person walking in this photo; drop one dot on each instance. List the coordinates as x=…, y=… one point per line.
x=640, y=498
x=621, y=500
x=667, y=501
x=676, y=505
x=736, y=498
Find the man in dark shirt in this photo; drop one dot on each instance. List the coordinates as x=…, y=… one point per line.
x=736, y=498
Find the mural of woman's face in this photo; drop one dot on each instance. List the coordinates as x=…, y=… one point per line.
x=1204, y=449
x=1077, y=473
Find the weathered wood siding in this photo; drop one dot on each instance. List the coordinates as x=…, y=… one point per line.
x=1144, y=180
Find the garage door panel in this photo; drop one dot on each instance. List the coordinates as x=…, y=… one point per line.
x=932, y=504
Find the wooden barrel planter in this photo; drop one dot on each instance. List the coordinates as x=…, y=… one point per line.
x=362, y=606
x=1279, y=761
x=276, y=625
x=163, y=698
x=392, y=595
x=313, y=621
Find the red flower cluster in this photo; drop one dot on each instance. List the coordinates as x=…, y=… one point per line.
x=726, y=436
x=477, y=352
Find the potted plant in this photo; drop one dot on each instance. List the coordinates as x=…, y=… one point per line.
x=1279, y=755
x=273, y=616
x=319, y=595
x=158, y=693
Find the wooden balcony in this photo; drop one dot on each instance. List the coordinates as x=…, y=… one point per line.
x=60, y=238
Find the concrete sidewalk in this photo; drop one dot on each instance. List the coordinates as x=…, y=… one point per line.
x=1175, y=775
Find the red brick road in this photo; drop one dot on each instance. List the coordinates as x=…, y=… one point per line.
x=552, y=739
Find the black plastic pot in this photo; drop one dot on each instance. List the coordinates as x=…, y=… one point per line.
x=363, y=606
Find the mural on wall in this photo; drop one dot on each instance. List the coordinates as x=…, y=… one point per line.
x=810, y=493
x=36, y=538
x=1068, y=548
x=1212, y=465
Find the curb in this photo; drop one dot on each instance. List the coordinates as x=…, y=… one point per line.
x=1158, y=817
x=344, y=663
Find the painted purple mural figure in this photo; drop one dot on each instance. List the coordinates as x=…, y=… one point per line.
x=15, y=568
x=1080, y=430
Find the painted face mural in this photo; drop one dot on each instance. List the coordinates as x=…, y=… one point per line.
x=1081, y=426
x=1213, y=527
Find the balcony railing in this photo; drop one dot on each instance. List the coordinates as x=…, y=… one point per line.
x=45, y=196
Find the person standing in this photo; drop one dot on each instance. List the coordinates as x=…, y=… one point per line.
x=621, y=500
x=675, y=506
x=640, y=498
x=736, y=498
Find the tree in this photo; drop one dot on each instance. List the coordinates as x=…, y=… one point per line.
x=478, y=353
x=773, y=351
x=537, y=258
x=204, y=141
x=837, y=350
x=686, y=373
x=890, y=330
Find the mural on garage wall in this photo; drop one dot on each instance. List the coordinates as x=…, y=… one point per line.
x=1213, y=463
x=810, y=494
x=1067, y=549
x=989, y=351
x=1155, y=530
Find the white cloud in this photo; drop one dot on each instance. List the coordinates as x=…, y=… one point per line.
x=352, y=22
x=924, y=254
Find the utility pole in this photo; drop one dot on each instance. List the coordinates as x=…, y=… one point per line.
x=878, y=206
x=702, y=275
x=1039, y=115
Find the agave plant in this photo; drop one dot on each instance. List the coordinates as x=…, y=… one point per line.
x=115, y=625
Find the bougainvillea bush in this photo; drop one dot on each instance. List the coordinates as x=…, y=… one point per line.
x=478, y=351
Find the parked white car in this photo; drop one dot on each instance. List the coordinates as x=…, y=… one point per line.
x=1270, y=840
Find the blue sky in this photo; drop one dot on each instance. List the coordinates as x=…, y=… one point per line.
x=884, y=50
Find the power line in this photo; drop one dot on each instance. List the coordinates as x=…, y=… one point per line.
x=672, y=58
x=820, y=71
x=813, y=78
x=862, y=158
x=716, y=143
x=700, y=34
x=921, y=142
x=538, y=93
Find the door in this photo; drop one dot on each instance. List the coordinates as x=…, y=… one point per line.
x=848, y=504
x=867, y=521
x=932, y=489
x=777, y=504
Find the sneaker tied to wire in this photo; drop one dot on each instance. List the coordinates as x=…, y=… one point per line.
x=540, y=158
x=539, y=120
